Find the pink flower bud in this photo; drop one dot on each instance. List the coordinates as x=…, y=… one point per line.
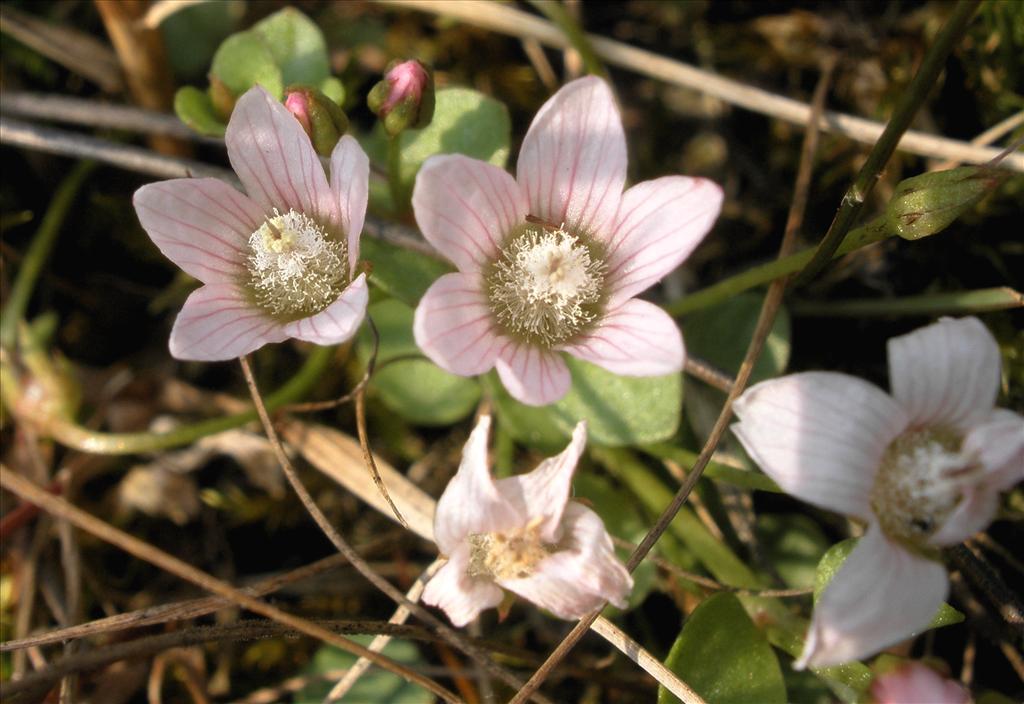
x=321, y=118
x=405, y=98
x=916, y=682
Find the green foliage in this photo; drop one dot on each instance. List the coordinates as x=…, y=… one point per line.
x=192, y=35
x=795, y=545
x=722, y=655
x=400, y=272
x=375, y=686
x=619, y=410
x=416, y=389
x=195, y=108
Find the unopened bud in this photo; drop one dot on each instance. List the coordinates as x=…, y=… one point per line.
x=322, y=119
x=222, y=98
x=405, y=98
x=926, y=204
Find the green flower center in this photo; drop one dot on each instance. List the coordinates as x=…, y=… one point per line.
x=919, y=484
x=296, y=269
x=547, y=285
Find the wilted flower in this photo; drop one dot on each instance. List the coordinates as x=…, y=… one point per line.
x=524, y=535
x=277, y=263
x=321, y=118
x=923, y=469
x=916, y=683
x=404, y=98
x=550, y=262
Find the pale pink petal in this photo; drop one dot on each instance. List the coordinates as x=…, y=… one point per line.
x=573, y=582
x=453, y=326
x=465, y=208
x=460, y=596
x=337, y=322
x=572, y=165
x=945, y=373
x=275, y=160
x=218, y=323
x=997, y=443
x=882, y=594
x=545, y=491
x=820, y=435
x=201, y=224
x=916, y=683
x=635, y=339
x=975, y=511
x=350, y=182
x=532, y=375
x=471, y=503
x=658, y=225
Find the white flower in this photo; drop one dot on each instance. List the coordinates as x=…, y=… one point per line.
x=922, y=468
x=524, y=535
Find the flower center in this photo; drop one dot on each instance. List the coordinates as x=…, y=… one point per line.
x=512, y=555
x=919, y=484
x=295, y=268
x=546, y=285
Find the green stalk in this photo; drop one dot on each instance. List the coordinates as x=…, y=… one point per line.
x=874, y=231
x=69, y=433
x=719, y=472
x=931, y=304
x=556, y=12
x=39, y=251
x=909, y=103
x=398, y=194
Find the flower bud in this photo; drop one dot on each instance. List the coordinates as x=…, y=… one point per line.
x=322, y=119
x=405, y=98
x=926, y=204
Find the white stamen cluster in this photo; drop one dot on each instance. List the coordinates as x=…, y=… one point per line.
x=544, y=286
x=919, y=483
x=512, y=555
x=295, y=269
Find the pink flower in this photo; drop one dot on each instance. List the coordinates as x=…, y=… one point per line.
x=922, y=468
x=524, y=535
x=551, y=261
x=916, y=683
x=277, y=263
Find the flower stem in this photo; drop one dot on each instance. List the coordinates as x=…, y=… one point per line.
x=39, y=251
x=912, y=99
x=957, y=303
x=874, y=231
x=399, y=198
x=69, y=433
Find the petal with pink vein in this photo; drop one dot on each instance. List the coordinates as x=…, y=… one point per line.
x=881, y=595
x=217, y=323
x=465, y=208
x=337, y=322
x=820, y=435
x=453, y=327
x=572, y=166
x=460, y=596
x=658, y=225
x=202, y=225
x=350, y=182
x=945, y=373
x=543, y=493
x=532, y=375
x=275, y=160
x=636, y=339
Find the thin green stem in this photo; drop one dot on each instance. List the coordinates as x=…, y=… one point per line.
x=912, y=99
x=71, y=434
x=399, y=197
x=874, y=231
x=555, y=11
x=39, y=251
x=958, y=303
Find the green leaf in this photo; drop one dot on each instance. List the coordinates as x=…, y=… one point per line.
x=415, y=389
x=399, y=272
x=724, y=657
x=297, y=46
x=375, y=686
x=619, y=410
x=720, y=335
x=195, y=109
x=244, y=60
x=795, y=545
x=834, y=559
x=531, y=425
x=465, y=122
x=333, y=89
x=192, y=34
